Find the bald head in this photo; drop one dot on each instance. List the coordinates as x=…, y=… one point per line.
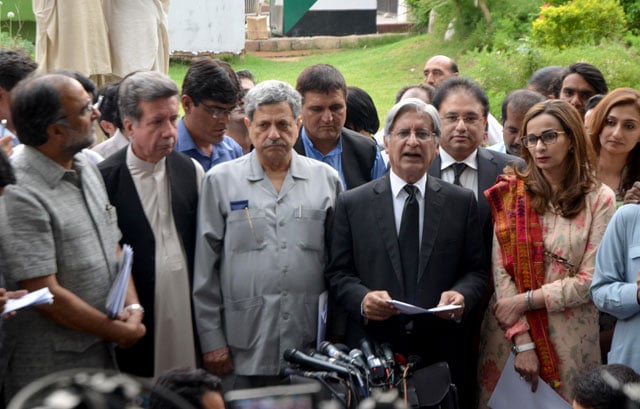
x=438, y=68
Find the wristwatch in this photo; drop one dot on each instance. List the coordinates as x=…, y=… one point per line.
x=516, y=349
x=134, y=307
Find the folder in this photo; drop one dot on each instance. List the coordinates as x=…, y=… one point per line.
x=118, y=291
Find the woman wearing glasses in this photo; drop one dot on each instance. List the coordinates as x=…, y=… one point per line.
x=548, y=222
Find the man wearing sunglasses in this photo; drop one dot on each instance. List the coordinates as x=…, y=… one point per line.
x=210, y=93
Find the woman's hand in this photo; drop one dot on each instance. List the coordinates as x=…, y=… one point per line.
x=528, y=366
x=509, y=310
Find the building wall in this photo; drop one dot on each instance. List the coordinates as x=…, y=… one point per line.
x=215, y=26
x=330, y=17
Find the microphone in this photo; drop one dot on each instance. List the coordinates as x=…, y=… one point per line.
x=358, y=359
x=297, y=357
x=306, y=374
x=375, y=364
x=331, y=351
x=387, y=352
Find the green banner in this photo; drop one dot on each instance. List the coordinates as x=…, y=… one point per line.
x=293, y=12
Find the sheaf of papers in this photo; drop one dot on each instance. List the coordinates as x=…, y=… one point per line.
x=511, y=392
x=323, y=305
x=118, y=291
x=411, y=309
x=41, y=296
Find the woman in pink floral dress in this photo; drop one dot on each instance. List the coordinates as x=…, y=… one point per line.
x=548, y=222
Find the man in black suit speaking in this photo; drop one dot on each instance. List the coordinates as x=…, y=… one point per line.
x=409, y=237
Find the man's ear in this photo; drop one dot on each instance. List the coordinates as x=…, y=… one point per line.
x=187, y=103
x=56, y=131
x=128, y=127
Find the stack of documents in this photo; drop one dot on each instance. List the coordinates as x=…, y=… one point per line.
x=514, y=392
x=41, y=296
x=118, y=291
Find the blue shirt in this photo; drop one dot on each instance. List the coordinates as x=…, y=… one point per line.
x=223, y=151
x=333, y=158
x=614, y=288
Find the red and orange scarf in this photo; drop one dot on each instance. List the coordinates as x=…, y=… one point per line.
x=519, y=233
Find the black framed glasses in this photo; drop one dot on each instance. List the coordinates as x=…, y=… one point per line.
x=421, y=134
x=217, y=112
x=547, y=137
x=451, y=119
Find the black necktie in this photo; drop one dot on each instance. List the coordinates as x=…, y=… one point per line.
x=458, y=168
x=409, y=240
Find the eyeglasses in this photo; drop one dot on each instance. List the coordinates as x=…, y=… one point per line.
x=217, y=112
x=454, y=119
x=547, y=137
x=86, y=109
x=421, y=134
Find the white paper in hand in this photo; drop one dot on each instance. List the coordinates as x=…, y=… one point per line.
x=411, y=309
x=118, y=291
x=41, y=296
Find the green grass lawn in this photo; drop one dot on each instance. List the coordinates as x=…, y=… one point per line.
x=382, y=69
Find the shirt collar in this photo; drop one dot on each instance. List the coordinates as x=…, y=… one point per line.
x=397, y=184
x=51, y=172
x=315, y=153
x=296, y=168
x=185, y=141
x=138, y=166
x=447, y=160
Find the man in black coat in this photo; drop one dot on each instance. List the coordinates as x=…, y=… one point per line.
x=369, y=266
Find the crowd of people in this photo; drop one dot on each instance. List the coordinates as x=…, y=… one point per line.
x=244, y=210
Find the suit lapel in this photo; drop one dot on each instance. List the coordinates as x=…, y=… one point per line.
x=383, y=207
x=433, y=203
x=434, y=169
x=487, y=173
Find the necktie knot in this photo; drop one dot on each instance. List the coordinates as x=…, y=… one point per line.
x=458, y=168
x=411, y=190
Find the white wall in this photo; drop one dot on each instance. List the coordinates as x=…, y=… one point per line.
x=206, y=26
x=344, y=5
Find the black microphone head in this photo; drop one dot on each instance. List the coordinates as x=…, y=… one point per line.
x=414, y=360
x=289, y=353
x=387, y=352
x=342, y=348
x=365, y=346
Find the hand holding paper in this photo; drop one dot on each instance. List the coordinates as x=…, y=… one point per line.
x=41, y=296
x=411, y=309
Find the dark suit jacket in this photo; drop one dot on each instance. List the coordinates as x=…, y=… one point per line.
x=137, y=232
x=490, y=165
x=358, y=156
x=365, y=256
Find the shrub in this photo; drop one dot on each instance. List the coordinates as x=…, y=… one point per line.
x=578, y=22
x=632, y=13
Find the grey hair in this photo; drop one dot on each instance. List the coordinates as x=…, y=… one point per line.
x=143, y=86
x=272, y=92
x=409, y=104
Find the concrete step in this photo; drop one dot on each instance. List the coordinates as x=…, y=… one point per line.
x=284, y=44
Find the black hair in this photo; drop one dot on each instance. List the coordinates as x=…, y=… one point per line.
x=36, y=104
x=109, y=106
x=15, y=65
x=189, y=384
x=361, y=111
x=211, y=79
x=454, y=84
x=322, y=78
x=601, y=387
x=590, y=74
